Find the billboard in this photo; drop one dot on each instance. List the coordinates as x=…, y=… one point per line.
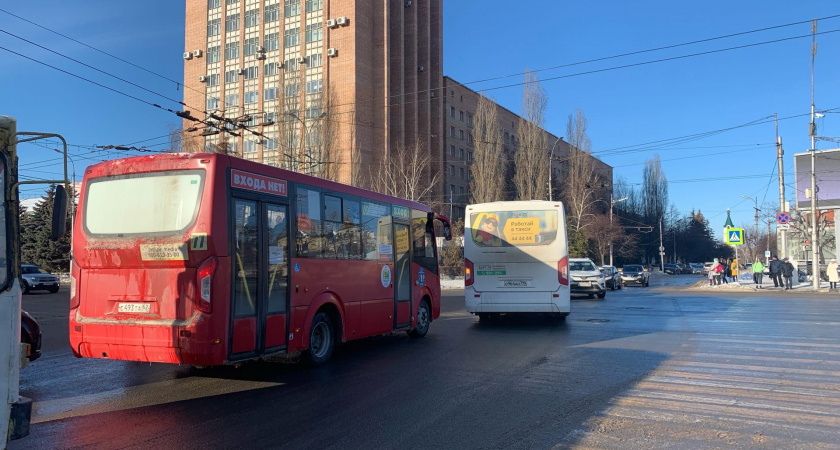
x=827, y=163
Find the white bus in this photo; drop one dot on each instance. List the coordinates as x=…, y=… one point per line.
x=516, y=258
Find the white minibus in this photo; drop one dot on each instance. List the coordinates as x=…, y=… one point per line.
x=516, y=258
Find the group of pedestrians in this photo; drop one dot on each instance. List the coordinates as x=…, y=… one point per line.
x=722, y=270
x=779, y=270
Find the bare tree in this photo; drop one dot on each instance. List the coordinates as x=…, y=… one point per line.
x=321, y=157
x=579, y=187
x=531, y=176
x=223, y=145
x=601, y=233
x=406, y=173
x=488, y=165
x=654, y=191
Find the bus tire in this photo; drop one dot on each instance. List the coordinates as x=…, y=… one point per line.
x=321, y=339
x=424, y=319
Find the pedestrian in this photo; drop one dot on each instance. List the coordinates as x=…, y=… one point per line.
x=734, y=266
x=776, y=272
x=711, y=275
x=758, y=272
x=717, y=269
x=833, y=276
x=787, y=273
x=724, y=270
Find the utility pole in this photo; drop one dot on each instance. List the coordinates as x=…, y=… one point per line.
x=815, y=246
x=782, y=205
x=661, y=248
x=769, y=224
x=613, y=202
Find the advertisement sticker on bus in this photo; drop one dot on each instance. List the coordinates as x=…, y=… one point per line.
x=257, y=183
x=421, y=277
x=164, y=252
x=385, y=276
x=522, y=231
x=385, y=251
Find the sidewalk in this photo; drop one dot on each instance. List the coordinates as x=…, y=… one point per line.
x=745, y=283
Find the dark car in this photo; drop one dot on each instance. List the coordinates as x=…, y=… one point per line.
x=612, y=277
x=30, y=333
x=672, y=269
x=635, y=274
x=35, y=279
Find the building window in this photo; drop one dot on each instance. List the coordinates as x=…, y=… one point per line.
x=231, y=50
x=315, y=60
x=452, y=151
x=461, y=134
x=213, y=79
x=314, y=32
x=272, y=41
x=250, y=46
x=271, y=94
x=251, y=97
x=252, y=18
x=469, y=119
x=461, y=190
x=461, y=172
x=213, y=54
x=231, y=76
x=230, y=2
x=451, y=131
x=314, y=86
x=212, y=103
x=213, y=4
x=470, y=138
x=469, y=157
x=451, y=111
x=451, y=170
x=272, y=13
x=214, y=27
x=313, y=112
x=231, y=100
x=507, y=137
x=461, y=116
x=271, y=68
x=252, y=73
x=232, y=23
x=291, y=37
x=314, y=5
x=461, y=153
x=292, y=65
x=291, y=8
x=271, y=144
x=292, y=90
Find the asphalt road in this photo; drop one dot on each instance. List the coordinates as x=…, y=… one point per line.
x=645, y=368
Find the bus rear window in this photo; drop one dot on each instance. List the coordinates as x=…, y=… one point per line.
x=513, y=228
x=158, y=203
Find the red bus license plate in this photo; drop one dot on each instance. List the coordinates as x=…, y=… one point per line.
x=134, y=307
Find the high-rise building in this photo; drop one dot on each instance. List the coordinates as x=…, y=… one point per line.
x=327, y=87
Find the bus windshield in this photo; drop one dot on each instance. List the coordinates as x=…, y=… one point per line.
x=157, y=203
x=513, y=228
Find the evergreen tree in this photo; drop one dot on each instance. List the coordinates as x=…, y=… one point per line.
x=35, y=244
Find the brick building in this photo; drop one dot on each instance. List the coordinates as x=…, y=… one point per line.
x=308, y=83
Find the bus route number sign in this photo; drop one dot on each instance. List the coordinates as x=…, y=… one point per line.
x=522, y=231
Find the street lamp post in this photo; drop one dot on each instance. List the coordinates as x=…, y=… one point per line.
x=612, y=203
x=551, y=171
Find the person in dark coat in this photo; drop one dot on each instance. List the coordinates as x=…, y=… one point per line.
x=776, y=272
x=787, y=272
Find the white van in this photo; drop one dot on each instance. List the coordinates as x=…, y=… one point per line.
x=516, y=258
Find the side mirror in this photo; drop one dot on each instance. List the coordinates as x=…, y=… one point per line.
x=59, y=217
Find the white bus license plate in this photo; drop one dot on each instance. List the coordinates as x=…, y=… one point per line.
x=515, y=283
x=134, y=307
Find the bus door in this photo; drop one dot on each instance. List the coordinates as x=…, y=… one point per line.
x=261, y=278
x=402, y=275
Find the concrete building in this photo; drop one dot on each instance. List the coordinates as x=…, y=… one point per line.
x=327, y=87
x=460, y=104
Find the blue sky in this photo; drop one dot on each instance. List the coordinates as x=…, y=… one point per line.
x=484, y=39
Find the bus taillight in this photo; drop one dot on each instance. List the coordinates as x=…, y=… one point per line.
x=74, y=295
x=468, y=272
x=204, y=278
x=563, y=271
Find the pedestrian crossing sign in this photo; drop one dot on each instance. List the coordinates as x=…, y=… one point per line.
x=734, y=236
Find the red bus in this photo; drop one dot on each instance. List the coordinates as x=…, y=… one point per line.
x=194, y=259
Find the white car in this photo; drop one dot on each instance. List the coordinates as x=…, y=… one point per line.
x=36, y=278
x=586, y=278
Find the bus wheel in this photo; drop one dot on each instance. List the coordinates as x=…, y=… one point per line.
x=321, y=339
x=424, y=319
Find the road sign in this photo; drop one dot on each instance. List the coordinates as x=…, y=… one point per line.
x=735, y=236
x=783, y=217
x=661, y=249
x=767, y=254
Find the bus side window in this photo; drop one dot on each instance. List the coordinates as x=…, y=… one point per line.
x=309, y=238
x=376, y=232
x=423, y=244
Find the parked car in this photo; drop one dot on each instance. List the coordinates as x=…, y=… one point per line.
x=696, y=268
x=672, y=269
x=37, y=279
x=586, y=278
x=635, y=274
x=612, y=277
x=30, y=333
